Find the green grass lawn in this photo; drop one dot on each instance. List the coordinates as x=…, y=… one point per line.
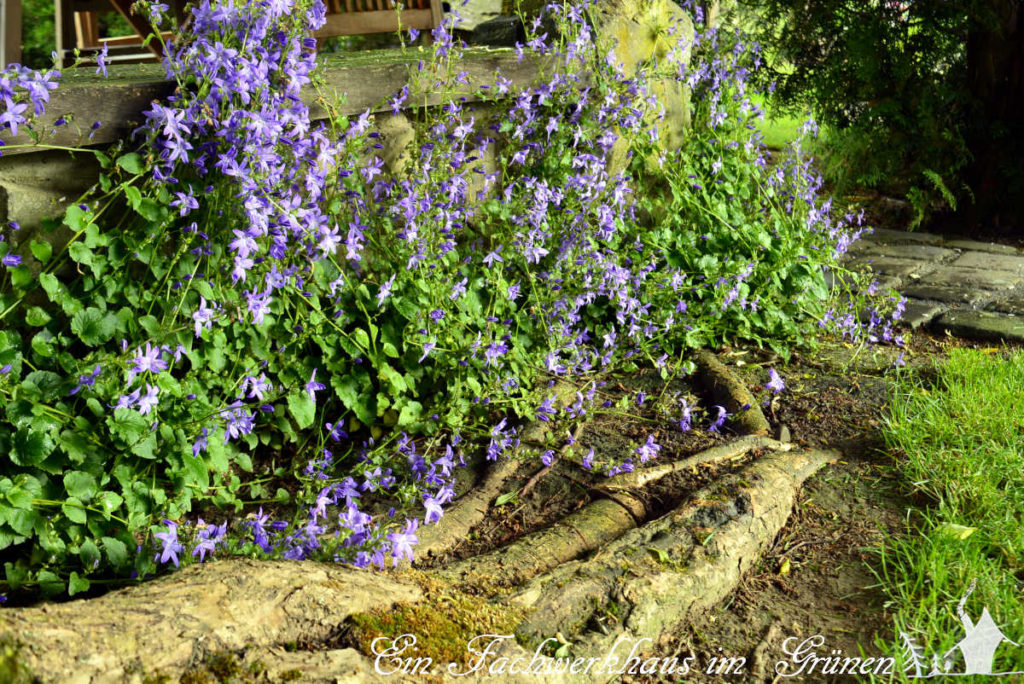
x=960, y=444
x=779, y=130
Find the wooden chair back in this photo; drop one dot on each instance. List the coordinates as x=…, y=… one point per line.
x=78, y=24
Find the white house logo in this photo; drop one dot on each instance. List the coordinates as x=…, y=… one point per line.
x=972, y=655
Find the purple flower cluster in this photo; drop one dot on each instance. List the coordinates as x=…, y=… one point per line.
x=537, y=267
x=20, y=89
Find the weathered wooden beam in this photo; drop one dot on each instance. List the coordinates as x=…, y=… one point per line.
x=373, y=21
x=10, y=32
x=366, y=79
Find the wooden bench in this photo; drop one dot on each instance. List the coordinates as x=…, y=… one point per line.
x=77, y=23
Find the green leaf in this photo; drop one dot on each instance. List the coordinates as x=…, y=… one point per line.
x=42, y=343
x=59, y=294
x=366, y=407
x=117, y=552
x=41, y=250
x=49, y=583
x=149, y=209
x=133, y=195
x=347, y=389
x=109, y=502
x=47, y=385
x=94, y=238
x=410, y=413
x=506, y=497
x=37, y=317
x=77, y=218
x=29, y=448
x=75, y=445
x=89, y=553
x=132, y=163
x=80, y=485
x=76, y=584
x=74, y=511
x=9, y=538
x=302, y=408
x=146, y=448
x=151, y=324
x=956, y=532
x=19, y=497
x=128, y=424
x=94, y=326
x=362, y=339
x=80, y=253
x=23, y=521
x=660, y=555
x=21, y=277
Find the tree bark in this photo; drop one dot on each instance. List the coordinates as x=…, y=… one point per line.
x=995, y=66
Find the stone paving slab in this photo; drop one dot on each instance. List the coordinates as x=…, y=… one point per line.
x=1011, y=304
x=989, y=261
x=890, y=266
x=957, y=296
x=963, y=287
x=954, y=276
x=919, y=252
x=918, y=313
x=902, y=237
x=990, y=247
x=981, y=325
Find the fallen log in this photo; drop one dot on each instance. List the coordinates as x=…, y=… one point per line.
x=659, y=574
x=170, y=623
x=583, y=531
x=713, y=456
x=727, y=391
x=466, y=512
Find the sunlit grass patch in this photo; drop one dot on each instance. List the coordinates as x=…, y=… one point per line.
x=959, y=440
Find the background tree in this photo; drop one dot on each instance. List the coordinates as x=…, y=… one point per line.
x=922, y=98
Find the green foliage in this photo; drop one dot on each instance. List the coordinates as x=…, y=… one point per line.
x=892, y=81
x=148, y=384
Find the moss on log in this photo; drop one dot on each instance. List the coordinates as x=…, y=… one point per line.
x=728, y=391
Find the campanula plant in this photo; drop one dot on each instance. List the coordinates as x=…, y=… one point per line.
x=252, y=309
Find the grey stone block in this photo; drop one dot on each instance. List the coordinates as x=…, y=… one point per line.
x=981, y=325
x=988, y=279
x=37, y=186
x=963, y=296
x=982, y=247
x=919, y=313
x=989, y=261
x=890, y=266
x=921, y=252
x=903, y=237
x=1012, y=304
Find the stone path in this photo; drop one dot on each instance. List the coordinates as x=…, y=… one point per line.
x=967, y=288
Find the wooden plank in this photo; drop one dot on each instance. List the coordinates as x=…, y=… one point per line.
x=64, y=21
x=139, y=23
x=435, y=13
x=368, y=80
x=10, y=32
x=87, y=29
x=119, y=41
x=377, y=21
